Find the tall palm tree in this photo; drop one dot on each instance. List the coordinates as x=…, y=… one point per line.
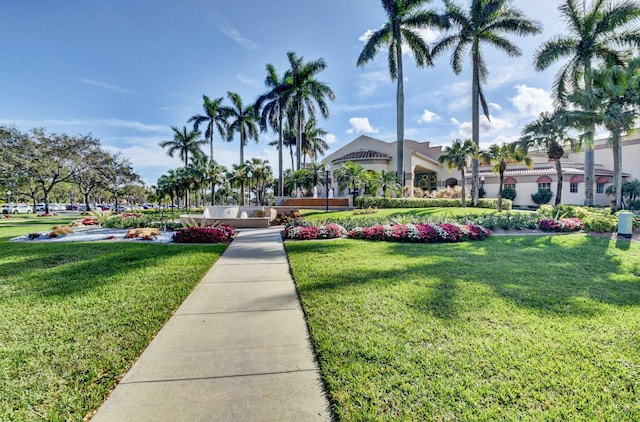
x=261, y=177
x=184, y=142
x=237, y=177
x=549, y=132
x=486, y=22
x=456, y=157
x=243, y=121
x=216, y=176
x=213, y=117
x=305, y=92
x=501, y=155
x=594, y=36
x=272, y=107
x=613, y=102
x=406, y=18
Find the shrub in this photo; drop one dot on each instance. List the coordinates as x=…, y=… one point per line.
x=635, y=204
x=286, y=217
x=308, y=232
x=561, y=225
x=601, y=223
x=220, y=234
x=509, y=193
x=381, y=202
x=422, y=233
x=541, y=197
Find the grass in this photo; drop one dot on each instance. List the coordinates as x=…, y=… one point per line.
x=511, y=328
x=75, y=316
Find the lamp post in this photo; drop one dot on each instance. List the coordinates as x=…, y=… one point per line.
x=8, y=197
x=482, y=192
x=250, y=182
x=327, y=168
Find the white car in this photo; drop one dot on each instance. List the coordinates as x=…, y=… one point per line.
x=20, y=209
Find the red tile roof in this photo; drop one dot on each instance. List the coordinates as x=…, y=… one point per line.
x=363, y=155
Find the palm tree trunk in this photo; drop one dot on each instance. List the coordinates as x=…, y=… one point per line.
x=500, y=190
x=559, y=185
x=299, y=137
x=464, y=194
x=400, y=115
x=589, y=161
x=617, y=171
x=475, y=130
x=280, y=154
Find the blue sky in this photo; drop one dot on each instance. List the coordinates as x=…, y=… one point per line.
x=127, y=70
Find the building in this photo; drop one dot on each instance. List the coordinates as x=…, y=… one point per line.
x=422, y=169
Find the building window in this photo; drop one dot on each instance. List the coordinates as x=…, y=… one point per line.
x=544, y=186
x=599, y=187
x=573, y=187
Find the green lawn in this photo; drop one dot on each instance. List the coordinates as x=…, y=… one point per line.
x=511, y=328
x=75, y=316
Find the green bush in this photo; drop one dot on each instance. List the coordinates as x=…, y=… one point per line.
x=635, y=204
x=601, y=223
x=381, y=202
x=509, y=193
x=541, y=197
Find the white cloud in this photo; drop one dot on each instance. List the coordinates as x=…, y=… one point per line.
x=487, y=128
x=361, y=125
x=532, y=101
x=368, y=82
x=246, y=81
x=106, y=86
x=496, y=106
x=330, y=138
x=428, y=117
x=237, y=37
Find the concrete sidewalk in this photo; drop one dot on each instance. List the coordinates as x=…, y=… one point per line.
x=237, y=349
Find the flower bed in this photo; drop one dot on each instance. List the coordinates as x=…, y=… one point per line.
x=561, y=225
x=218, y=234
x=416, y=233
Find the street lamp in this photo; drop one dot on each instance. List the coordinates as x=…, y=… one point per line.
x=327, y=168
x=8, y=197
x=482, y=192
x=250, y=181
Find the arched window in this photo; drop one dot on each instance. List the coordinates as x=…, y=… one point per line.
x=574, y=183
x=544, y=183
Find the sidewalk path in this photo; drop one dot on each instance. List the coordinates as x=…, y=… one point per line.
x=237, y=349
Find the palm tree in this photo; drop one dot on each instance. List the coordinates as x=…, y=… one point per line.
x=305, y=92
x=594, y=36
x=486, y=22
x=501, y=156
x=349, y=174
x=549, y=132
x=312, y=143
x=271, y=107
x=613, y=102
x=261, y=177
x=213, y=117
x=456, y=157
x=243, y=120
x=184, y=142
x=216, y=176
x=406, y=18
x=237, y=177
x=387, y=180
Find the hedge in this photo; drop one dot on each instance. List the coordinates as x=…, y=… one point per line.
x=381, y=202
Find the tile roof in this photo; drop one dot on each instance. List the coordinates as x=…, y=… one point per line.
x=362, y=155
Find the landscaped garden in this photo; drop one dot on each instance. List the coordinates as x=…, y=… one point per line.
x=75, y=316
x=511, y=328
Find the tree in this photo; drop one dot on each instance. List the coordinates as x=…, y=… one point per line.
x=90, y=176
x=612, y=102
x=119, y=177
x=243, y=121
x=313, y=144
x=388, y=180
x=237, y=177
x=184, y=142
x=272, y=107
x=305, y=92
x=486, y=22
x=593, y=37
x=501, y=155
x=349, y=174
x=406, y=18
x=456, y=157
x=261, y=177
x=548, y=131
x=214, y=118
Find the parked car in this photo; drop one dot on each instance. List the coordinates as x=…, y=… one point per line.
x=20, y=209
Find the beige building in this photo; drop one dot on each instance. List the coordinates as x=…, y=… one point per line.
x=422, y=168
